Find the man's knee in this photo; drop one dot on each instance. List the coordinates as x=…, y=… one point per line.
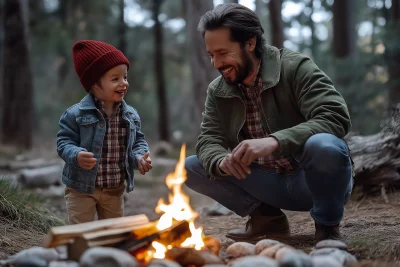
x=326, y=150
x=192, y=163
x=195, y=171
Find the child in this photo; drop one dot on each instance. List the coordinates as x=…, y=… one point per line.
x=100, y=138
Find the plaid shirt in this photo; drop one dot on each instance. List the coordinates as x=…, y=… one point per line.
x=112, y=169
x=253, y=128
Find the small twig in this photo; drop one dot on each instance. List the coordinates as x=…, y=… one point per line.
x=383, y=193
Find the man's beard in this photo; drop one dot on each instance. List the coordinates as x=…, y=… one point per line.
x=243, y=70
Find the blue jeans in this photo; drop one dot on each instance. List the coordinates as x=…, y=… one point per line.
x=322, y=185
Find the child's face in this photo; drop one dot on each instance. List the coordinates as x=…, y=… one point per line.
x=113, y=85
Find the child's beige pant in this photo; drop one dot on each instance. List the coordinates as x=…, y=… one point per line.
x=82, y=207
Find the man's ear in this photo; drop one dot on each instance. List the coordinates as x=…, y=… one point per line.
x=251, y=44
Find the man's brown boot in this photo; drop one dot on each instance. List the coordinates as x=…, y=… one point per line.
x=323, y=232
x=260, y=226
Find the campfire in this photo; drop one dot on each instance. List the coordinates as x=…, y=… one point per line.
x=178, y=209
x=170, y=236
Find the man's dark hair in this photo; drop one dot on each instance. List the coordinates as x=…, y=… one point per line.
x=242, y=22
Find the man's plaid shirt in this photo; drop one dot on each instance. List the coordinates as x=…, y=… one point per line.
x=253, y=128
x=112, y=170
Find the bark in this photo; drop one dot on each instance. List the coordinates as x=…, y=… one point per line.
x=17, y=121
x=376, y=158
x=202, y=70
x=163, y=118
x=275, y=15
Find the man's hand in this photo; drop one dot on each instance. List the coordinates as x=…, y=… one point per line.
x=249, y=150
x=144, y=163
x=86, y=160
x=234, y=168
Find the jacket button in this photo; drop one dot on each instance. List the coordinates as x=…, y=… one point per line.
x=101, y=124
x=97, y=150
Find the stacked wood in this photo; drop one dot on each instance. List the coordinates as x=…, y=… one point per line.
x=133, y=234
x=80, y=237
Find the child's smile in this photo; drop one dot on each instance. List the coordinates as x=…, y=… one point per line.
x=113, y=85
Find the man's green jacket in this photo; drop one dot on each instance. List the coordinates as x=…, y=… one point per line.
x=298, y=101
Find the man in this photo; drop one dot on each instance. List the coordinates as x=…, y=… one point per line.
x=271, y=135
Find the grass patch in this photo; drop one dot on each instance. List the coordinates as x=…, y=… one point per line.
x=25, y=209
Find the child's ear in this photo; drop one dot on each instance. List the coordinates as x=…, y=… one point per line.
x=96, y=86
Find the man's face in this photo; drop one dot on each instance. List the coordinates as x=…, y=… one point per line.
x=228, y=57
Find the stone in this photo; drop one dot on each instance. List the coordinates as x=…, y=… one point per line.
x=213, y=244
x=216, y=209
x=33, y=261
x=254, y=261
x=343, y=257
x=190, y=256
x=282, y=252
x=329, y=243
x=325, y=261
x=271, y=251
x=293, y=258
x=63, y=264
x=62, y=251
x=265, y=243
x=46, y=254
x=162, y=263
x=240, y=249
x=107, y=257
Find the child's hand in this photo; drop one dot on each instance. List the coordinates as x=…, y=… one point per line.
x=86, y=160
x=144, y=163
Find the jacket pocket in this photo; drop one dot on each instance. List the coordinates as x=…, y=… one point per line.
x=86, y=121
x=88, y=131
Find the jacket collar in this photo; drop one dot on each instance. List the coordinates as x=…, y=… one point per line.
x=270, y=76
x=88, y=103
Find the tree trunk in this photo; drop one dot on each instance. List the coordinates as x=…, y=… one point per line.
x=17, y=114
x=64, y=66
x=314, y=40
x=163, y=122
x=1, y=52
x=202, y=70
x=344, y=44
x=275, y=15
x=395, y=10
x=122, y=27
x=392, y=53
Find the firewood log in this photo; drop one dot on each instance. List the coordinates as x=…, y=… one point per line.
x=108, y=237
x=64, y=234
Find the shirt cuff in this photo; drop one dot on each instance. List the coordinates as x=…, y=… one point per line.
x=218, y=169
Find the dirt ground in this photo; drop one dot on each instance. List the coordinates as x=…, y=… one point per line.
x=371, y=226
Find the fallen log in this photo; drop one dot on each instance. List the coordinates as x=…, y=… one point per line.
x=40, y=177
x=376, y=160
x=31, y=164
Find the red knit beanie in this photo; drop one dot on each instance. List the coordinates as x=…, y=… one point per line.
x=94, y=58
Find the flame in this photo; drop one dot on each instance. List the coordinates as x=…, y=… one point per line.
x=178, y=209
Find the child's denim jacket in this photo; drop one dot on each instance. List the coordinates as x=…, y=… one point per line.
x=82, y=129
